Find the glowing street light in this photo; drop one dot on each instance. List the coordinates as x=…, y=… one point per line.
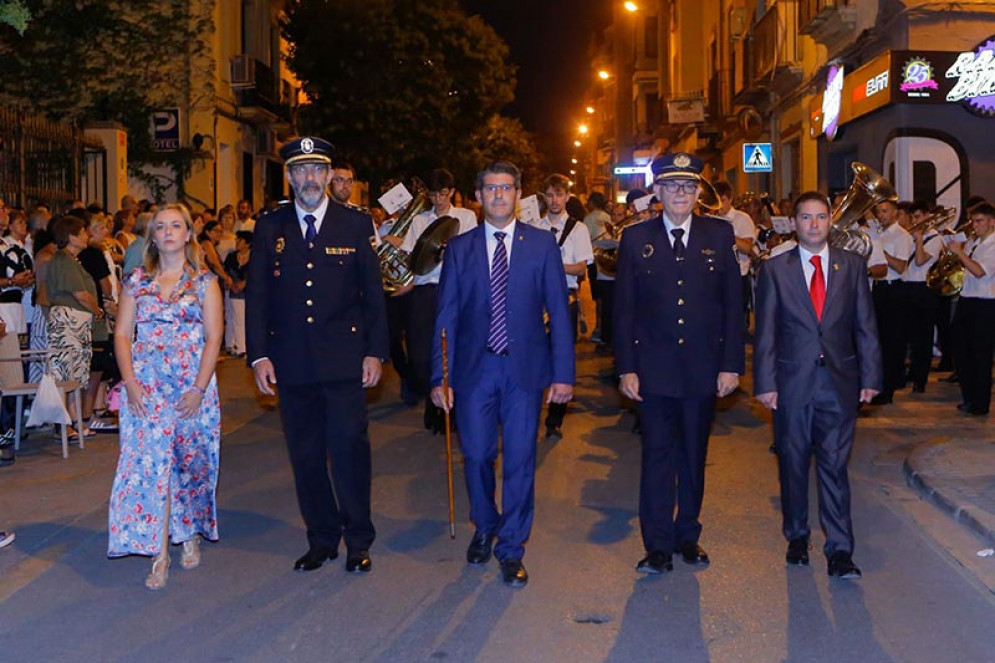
x=573, y=161
x=631, y=7
x=582, y=129
x=573, y=172
x=590, y=110
x=576, y=143
x=604, y=75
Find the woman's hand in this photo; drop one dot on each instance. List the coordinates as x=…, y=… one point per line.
x=136, y=397
x=189, y=403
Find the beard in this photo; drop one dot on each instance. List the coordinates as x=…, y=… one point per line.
x=309, y=195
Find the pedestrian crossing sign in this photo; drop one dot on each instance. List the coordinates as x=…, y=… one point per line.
x=757, y=158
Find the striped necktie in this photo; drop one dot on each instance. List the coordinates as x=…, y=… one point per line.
x=497, y=337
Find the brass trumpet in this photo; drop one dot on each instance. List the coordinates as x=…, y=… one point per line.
x=606, y=258
x=946, y=276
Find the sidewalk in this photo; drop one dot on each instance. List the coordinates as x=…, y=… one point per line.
x=958, y=476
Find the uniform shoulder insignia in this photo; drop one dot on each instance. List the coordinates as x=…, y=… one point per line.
x=279, y=206
x=359, y=208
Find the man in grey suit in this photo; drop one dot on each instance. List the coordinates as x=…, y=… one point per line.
x=816, y=357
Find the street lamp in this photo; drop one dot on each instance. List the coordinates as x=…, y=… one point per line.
x=576, y=143
x=590, y=110
x=604, y=75
x=573, y=161
x=631, y=7
x=582, y=129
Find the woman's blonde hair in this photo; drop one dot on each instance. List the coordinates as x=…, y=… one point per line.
x=192, y=249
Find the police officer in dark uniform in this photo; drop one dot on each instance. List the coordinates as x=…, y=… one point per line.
x=678, y=346
x=316, y=326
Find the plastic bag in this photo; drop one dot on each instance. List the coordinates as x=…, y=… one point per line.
x=48, y=406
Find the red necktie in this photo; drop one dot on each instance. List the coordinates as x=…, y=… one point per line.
x=817, y=287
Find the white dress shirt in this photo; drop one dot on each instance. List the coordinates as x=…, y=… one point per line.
x=808, y=268
x=492, y=241
x=575, y=248
x=914, y=273
x=898, y=243
x=983, y=253
x=318, y=214
x=743, y=228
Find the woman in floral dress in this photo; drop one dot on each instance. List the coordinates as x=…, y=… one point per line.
x=167, y=472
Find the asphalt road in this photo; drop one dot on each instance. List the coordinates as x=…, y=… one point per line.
x=921, y=597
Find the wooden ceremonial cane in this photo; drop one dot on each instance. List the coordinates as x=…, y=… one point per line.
x=449, y=434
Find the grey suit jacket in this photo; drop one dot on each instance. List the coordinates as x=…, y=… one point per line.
x=790, y=338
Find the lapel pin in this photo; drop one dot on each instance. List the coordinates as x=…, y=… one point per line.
x=647, y=250
x=280, y=243
x=836, y=267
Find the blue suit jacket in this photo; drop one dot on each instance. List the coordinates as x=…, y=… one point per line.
x=678, y=324
x=536, y=284
x=316, y=313
x=790, y=338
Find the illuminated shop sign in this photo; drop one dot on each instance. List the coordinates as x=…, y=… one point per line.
x=832, y=101
x=911, y=77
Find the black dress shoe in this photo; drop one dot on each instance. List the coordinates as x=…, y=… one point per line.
x=882, y=399
x=554, y=432
x=358, y=561
x=841, y=566
x=656, y=563
x=314, y=558
x=693, y=554
x=797, y=552
x=513, y=573
x=479, y=551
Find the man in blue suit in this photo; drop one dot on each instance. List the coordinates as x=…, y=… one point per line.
x=816, y=355
x=316, y=319
x=678, y=346
x=497, y=282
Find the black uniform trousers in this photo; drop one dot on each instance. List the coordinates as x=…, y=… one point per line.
x=889, y=306
x=397, y=314
x=920, y=316
x=944, y=320
x=607, y=289
x=325, y=424
x=974, y=343
x=555, y=412
x=822, y=428
x=675, y=444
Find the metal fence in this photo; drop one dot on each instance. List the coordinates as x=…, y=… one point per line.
x=43, y=161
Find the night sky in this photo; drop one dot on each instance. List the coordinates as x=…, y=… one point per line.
x=549, y=42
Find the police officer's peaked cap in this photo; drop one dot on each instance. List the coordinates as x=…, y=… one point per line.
x=307, y=149
x=677, y=165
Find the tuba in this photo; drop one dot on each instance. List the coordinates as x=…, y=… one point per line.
x=868, y=189
x=606, y=257
x=395, y=264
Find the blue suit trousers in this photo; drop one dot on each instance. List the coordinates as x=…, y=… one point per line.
x=494, y=402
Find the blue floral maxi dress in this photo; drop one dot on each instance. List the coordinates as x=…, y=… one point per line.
x=164, y=450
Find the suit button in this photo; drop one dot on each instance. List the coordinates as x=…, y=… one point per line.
x=310, y=319
x=309, y=283
x=680, y=321
x=310, y=265
x=680, y=341
x=680, y=281
x=352, y=329
x=309, y=302
x=680, y=302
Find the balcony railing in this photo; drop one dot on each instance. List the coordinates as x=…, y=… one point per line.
x=775, y=41
x=257, y=87
x=813, y=12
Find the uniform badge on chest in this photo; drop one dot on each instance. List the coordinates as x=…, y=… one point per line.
x=648, y=251
x=280, y=244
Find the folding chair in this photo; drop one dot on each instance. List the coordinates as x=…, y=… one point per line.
x=12, y=384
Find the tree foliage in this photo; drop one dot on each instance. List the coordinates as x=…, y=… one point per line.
x=505, y=139
x=113, y=60
x=15, y=14
x=400, y=86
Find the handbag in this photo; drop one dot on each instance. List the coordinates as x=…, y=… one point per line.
x=48, y=406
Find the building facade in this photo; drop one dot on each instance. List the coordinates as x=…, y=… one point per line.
x=729, y=74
